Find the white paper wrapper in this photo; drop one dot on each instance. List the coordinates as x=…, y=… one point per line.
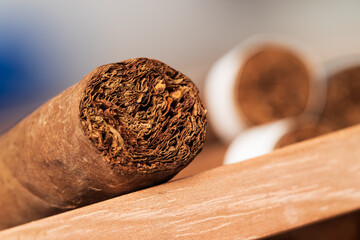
x=258, y=140
x=225, y=115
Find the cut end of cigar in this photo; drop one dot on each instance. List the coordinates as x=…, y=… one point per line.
x=143, y=116
x=343, y=99
x=273, y=84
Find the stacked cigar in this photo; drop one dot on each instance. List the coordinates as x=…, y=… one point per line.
x=272, y=91
x=125, y=126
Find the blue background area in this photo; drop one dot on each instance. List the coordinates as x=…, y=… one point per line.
x=47, y=46
x=16, y=76
x=31, y=66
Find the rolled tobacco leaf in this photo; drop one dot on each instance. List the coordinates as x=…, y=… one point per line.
x=302, y=133
x=342, y=107
x=274, y=83
x=125, y=126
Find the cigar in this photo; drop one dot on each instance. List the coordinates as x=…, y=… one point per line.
x=263, y=139
x=302, y=133
x=124, y=127
x=264, y=79
x=342, y=107
x=342, y=103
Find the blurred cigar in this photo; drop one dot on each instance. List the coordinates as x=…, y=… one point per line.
x=125, y=126
x=264, y=139
x=264, y=79
x=341, y=110
x=301, y=133
x=342, y=107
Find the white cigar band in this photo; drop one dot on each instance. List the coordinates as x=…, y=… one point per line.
x=263, y=139
x=257, y=141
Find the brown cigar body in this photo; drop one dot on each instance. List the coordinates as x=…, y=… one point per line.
x=49, y=164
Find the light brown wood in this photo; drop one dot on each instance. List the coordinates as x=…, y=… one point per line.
x=288, y=188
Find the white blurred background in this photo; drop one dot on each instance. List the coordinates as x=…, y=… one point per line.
x=46, y=46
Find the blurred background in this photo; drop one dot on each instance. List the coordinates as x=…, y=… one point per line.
x=47, y=46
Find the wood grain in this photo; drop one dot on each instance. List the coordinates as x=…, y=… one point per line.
x=291, y=187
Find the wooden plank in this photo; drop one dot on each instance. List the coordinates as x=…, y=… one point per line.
x=288, y=188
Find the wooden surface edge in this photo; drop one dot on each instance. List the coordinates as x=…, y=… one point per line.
x=288, y=188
